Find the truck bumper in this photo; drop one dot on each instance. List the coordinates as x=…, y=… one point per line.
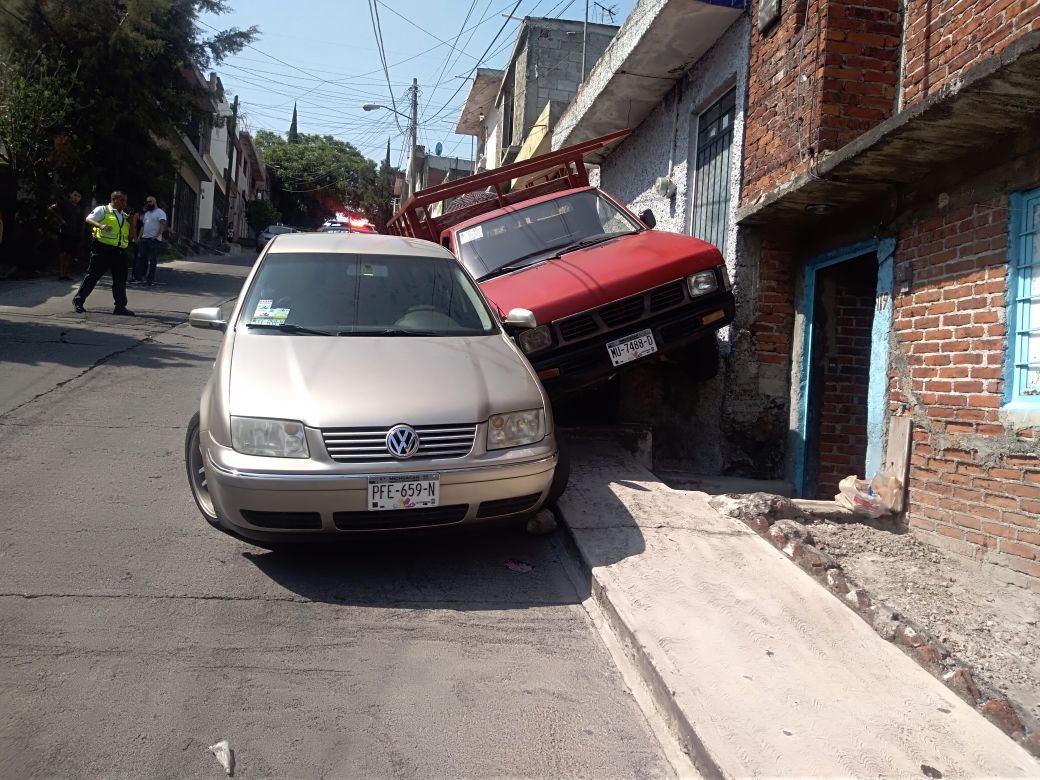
x=573, y=367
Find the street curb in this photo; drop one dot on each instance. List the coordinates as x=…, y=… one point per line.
x=677, y=721
x=783, y=525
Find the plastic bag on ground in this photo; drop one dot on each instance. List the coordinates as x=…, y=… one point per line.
x=225, y=755
x=858, y=495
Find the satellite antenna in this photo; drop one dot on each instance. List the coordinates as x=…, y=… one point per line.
x=437, y=149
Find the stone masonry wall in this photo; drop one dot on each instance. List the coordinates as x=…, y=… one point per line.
x=974, y=483
x=945, y=37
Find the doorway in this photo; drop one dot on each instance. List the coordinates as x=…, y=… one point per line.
x=843, y=387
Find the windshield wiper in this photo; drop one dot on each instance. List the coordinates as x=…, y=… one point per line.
x=590, y=241
x=388, y=332
x=297, y=330
x=514, y=266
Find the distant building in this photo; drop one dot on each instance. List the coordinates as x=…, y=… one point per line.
x=504, y=106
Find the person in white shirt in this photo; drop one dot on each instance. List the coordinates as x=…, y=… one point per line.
x=151, y=227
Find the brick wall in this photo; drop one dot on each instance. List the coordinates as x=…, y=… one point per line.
x=774, y=317
x=974, y=484
x=845, y=370
x=944, y=37
x=824, y=74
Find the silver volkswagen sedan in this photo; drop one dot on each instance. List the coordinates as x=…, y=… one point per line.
x=364, y=384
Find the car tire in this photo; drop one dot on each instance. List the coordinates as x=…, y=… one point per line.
x=196, y=473
x=562, y=475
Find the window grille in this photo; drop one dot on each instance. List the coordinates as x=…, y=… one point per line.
x=1024, y=298
x=711, y=199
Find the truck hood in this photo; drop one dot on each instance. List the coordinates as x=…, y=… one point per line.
x=378, y=381
x=600, y=274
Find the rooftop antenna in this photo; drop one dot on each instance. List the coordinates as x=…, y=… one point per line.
x=604, y=12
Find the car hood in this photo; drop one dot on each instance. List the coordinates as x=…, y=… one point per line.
x=379, y=381
x=600, y=274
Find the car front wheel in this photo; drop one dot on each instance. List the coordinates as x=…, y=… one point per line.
x=196, y=468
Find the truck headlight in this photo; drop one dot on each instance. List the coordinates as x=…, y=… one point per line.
x=515, y=429
x=535, y=339
x=271, y=438
x=702, y=283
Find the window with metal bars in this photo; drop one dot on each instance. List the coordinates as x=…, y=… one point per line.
x=1023, y=362
x=711, y=195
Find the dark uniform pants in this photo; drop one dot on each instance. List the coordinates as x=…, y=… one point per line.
x=106, y=258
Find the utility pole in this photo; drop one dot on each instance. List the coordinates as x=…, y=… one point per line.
x=232, y=130
x=584, y=41
x=414, y=128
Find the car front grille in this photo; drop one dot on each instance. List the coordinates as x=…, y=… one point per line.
x=624, y=312
x=507, y=506
x=400, y=518
x=284, y=521
x=359, y=445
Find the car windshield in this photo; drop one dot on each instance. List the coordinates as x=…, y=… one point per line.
x=276, y=229
x=364, y=295
x=535, y=232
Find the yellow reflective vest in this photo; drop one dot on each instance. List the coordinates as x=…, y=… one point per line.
x=119, y=235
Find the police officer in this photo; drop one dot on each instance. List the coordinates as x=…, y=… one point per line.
x=108, y=252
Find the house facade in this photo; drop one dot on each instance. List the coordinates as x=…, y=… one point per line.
x=891, y=202
x=871, y=171
x=545, y=66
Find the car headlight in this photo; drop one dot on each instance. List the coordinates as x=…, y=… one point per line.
x=535, y=339
x=516, y=429
x=272, y=438
x=702, y=283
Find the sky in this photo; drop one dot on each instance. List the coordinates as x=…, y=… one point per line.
x=323, y=55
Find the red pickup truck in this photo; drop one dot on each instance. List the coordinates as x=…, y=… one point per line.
x=586, y=286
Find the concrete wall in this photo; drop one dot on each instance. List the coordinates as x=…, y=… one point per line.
x=688, y=410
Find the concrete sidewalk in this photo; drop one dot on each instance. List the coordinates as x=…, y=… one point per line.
x=760, y=671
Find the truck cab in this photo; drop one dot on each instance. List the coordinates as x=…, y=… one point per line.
x=605, y=289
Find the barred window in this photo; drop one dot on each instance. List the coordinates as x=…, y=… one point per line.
x=1024, y=299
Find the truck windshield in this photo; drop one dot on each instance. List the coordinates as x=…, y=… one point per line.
x=531, y=233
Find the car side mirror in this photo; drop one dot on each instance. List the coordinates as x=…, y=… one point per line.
x=520, y=319
x=648, y=218
x=208, y=317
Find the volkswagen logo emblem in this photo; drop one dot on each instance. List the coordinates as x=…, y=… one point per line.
x=402, y=441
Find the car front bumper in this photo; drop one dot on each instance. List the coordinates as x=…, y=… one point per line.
x=574, y=366
x=270, y=504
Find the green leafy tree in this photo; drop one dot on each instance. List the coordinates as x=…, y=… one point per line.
x=319, y=175
x=261, y=213
x=126, y=70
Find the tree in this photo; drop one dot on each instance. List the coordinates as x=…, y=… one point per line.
x=294, y=133
x=317, y=176
x=126, y=69
x=260, y=214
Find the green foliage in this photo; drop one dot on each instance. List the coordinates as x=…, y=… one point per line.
x=261, y=213
x=319, y=175
x=118, y=83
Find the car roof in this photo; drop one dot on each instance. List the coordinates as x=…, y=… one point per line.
x=357, y=243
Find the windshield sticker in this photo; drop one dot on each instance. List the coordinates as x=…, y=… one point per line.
x=262, y=307
x=278, y=314
x=473, y=233
x=266, y=321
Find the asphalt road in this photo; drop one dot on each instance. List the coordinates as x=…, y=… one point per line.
x=133, y=636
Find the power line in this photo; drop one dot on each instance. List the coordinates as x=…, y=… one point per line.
x=373, y=12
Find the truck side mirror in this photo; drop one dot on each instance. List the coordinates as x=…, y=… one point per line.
x=648, y=218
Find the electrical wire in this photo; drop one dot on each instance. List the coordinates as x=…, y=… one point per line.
x=373, y=9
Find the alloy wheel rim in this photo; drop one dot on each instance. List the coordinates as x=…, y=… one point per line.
x=199, y=485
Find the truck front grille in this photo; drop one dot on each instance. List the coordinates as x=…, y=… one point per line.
x=627, y=311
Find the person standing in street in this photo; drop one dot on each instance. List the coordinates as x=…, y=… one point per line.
x=108, y=252
x=151, y=228
x=69, y=234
